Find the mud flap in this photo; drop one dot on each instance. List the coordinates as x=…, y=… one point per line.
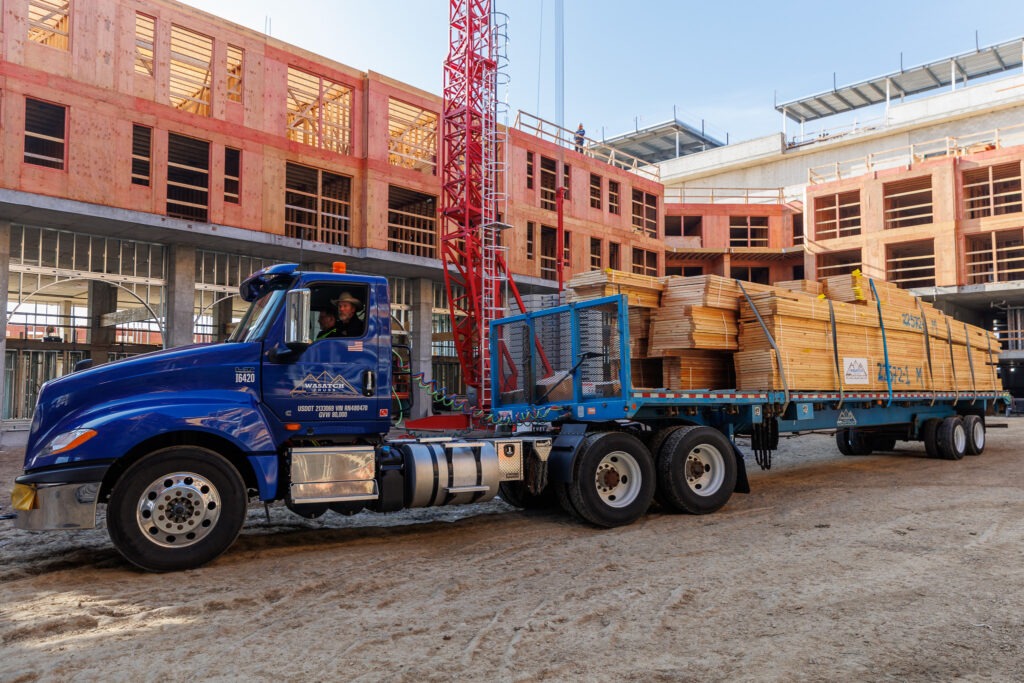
x=742, y=483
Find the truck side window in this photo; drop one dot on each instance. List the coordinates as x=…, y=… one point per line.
x=340, y=311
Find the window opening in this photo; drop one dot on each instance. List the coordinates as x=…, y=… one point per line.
x=142, y=150
x=190, y=76
x=319, y=111
x=188, y=177
x=412, y=223
x=317, y=205
x=44, y=133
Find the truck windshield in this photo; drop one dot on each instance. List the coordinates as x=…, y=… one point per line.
x=256, y=320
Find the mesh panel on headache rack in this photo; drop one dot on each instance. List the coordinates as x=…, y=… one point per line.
x=553, y=358
x=513, y=363
x=599, y=351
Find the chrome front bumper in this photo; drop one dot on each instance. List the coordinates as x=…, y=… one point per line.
x=61, y=506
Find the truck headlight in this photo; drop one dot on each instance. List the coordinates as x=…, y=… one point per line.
x=68, y=440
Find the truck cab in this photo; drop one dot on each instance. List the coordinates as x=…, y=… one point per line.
x=198, y=428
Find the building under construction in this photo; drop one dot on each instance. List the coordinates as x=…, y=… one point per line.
x=155, y=155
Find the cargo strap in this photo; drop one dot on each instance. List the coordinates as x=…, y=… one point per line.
x=927, y=348
x=970, y=363
x=771, y=340
x=885, y=346
x=835, y=353
x=952, y=361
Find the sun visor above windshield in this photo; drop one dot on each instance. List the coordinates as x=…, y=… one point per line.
x=262, y=281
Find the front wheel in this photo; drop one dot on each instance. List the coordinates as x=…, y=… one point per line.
x=177, y=508
x=613, y=480
x=696, y=470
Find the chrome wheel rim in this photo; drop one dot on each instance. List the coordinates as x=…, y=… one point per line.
x=178, y=510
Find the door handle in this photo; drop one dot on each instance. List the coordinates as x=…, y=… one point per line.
x=369, y=383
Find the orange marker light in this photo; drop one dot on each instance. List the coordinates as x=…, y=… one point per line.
x=339, y=267
x=292, y=426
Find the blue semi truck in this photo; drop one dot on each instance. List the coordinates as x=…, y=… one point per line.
x=177, y=443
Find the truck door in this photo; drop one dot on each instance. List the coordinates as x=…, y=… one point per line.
x=334, y=386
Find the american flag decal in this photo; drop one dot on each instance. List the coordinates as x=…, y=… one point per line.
x=355, y=346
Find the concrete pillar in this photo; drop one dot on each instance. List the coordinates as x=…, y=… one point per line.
x=421, y=338
x=179, y=307
x=5, y=270
x=102, y=299
x=222, y=312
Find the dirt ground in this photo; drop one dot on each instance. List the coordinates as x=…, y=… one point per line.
x=886, y=567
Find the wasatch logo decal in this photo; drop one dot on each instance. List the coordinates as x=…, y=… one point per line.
x=845, y=419
x=855, y=371
x=324, y=384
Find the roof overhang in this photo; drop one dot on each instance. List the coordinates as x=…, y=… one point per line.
x=942, y=73
x=662, y=141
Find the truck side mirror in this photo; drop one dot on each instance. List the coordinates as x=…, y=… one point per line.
x=296, y=320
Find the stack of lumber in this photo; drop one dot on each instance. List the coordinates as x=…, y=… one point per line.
x=956, y=357
x=713, y=291
x=695, y=333
x=639, y=330
x=806, y=286
x=642, y=291
x=692, y=370
x=679, y=329
x=697, y=313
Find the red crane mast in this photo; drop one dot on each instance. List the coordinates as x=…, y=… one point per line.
x=473, y=188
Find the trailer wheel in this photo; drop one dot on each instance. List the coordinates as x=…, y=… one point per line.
x=176, y=508
x=951, y=439
x=883, y=443
x=696, y=470
x=613, y=480
x=854, y=442
x=974, y=427
x=929, y=434
x=843, y=441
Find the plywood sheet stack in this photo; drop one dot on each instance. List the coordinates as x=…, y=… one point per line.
x=694, y=333
x=856, y=359
x=641, y=291
x=697, y=369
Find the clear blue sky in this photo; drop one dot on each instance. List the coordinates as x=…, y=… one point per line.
x=629, y=63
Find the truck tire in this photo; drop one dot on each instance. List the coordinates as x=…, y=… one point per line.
x=974, y=427
x=929, y=433
x=951, y=439
x=654, y=443
x=883, y=443
x=516, y=494
x=176, y=508
x=696, y=470
x=854, y=442
x=613, y=480
x=843, y=441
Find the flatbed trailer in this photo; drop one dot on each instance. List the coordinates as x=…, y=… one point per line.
x=579, y=355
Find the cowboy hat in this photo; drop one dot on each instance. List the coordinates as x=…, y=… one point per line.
x=347, y=298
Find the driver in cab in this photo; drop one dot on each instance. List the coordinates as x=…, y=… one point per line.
x=348, y=324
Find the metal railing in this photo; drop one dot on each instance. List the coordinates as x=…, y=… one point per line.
x=910, y=154
x=563, y=137
x=727, y=195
